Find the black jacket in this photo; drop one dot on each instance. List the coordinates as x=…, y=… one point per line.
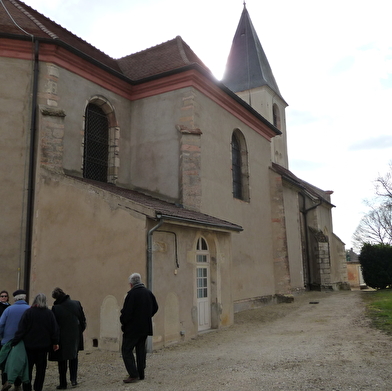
x=38, y=329
x=139, y=307
x=3, y=307
x=72, y=322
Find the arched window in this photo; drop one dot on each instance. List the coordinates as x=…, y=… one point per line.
x=276, y=115
x=239, y=159
x=96, y=144
x=201, y=246
x=236, y=167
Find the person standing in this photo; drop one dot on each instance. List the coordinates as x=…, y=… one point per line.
x=72, y=322
x=9, y=322
x=40, y=333
x=3, y=301
x=139, y=307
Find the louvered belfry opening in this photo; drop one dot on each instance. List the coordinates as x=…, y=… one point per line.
x=96, y=144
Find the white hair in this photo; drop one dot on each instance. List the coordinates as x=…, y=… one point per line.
x=40, y=301
x=20, y=297
x=135, y=278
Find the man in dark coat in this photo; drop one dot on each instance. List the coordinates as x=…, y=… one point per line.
x=72, y=322
x=139, y=307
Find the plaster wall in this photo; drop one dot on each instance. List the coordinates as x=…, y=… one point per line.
x=176, y=283
x=252, y=248
x=87, y=243
x=339, y=273
x=154, y=152
x=293, y=232
x=15, y=115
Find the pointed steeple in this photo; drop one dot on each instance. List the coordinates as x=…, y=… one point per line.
x=247, y=66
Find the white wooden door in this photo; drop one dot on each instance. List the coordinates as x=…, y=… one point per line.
x=203, y=297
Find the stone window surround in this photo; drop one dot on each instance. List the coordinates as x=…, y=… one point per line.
x=114, y=136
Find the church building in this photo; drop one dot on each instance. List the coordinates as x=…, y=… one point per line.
x=149, y=164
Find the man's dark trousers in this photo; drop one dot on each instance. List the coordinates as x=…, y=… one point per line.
x=135, y=370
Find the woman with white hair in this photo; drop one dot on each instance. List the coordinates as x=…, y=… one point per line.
x=39, y=331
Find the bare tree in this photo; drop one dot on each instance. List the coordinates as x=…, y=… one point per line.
x=383, y=184
x=376, y=226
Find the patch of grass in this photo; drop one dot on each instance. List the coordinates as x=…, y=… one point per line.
x=379, y=309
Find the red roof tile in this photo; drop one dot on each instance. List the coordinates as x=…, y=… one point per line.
x=20, y=19
x=158, y=59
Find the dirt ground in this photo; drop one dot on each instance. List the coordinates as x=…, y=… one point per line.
x=321, y=341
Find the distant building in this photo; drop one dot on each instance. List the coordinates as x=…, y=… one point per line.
x=149, y=164
x=354, y=270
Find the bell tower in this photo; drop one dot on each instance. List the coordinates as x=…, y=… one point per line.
x=249, y=75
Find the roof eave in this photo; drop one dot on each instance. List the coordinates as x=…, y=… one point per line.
x=194, y=223
x=72, y=49
x=304, y=189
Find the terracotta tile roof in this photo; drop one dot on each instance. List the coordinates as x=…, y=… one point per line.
x=158, y=59
x=311, y=189
x=34, y=23
x=168, y=210
x=162, y=58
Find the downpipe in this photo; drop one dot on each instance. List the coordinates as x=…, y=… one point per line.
x=31, y=174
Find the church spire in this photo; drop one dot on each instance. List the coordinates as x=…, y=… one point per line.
x=247, y=66
x=249, y=75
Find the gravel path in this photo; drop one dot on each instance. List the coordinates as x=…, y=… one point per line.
x=292, y=347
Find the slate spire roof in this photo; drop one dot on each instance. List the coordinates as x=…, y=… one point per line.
x=247, y=65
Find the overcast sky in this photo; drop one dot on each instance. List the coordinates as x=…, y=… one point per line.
x=332, y=61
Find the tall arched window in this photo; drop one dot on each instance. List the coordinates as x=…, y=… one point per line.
x=236, y=167
x=96, y=144
x=276, y=115
x=239, y=159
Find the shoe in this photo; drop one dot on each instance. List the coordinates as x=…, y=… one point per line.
x=141, y=375
x=130, y=379
x=6, y=386
x=18, y=388
x=60, y=387
x=74, y=383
